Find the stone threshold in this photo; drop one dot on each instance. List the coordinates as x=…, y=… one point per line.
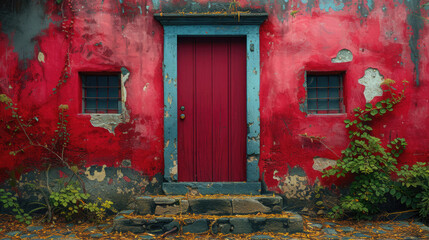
x=207, y=204
x=208, y=188
x=274, y=223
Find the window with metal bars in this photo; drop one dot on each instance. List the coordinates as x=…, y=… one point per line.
x=325, y=93
x=101, y=93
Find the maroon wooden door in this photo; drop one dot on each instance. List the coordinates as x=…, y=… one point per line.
x=212, y=96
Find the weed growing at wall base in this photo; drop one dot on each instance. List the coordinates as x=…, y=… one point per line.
x=66, y=199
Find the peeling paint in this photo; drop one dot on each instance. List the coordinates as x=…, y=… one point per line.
x=328, y=4
x=107, y=121
x=372, y=81
x=343, y=56
x=145, y=87
x=173, y=170
x=96, y=175
x=295, y=187
x=41, y=57
x=322, y=163
x=119, y=174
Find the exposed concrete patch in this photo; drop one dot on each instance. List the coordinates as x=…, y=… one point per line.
x=343, y=56
x=111, y=121
x=96, y=175
x=107, y=121
x=372, y=81
x=322, y=163
x=295, y=184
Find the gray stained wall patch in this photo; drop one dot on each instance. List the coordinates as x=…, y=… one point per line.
x=343, y=56
x=372, y=81
x=23, y=26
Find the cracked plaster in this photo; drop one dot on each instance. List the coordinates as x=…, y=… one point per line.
x=372, y=81
x=343, y=56
x=322, y=163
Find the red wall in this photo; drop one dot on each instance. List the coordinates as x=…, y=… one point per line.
x=104, y=36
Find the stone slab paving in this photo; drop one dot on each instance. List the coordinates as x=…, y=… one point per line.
x=225, y=227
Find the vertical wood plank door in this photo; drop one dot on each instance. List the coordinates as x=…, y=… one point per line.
x=212, y=131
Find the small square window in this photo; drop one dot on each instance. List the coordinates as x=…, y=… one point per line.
x=101, y=93
x=325, y=93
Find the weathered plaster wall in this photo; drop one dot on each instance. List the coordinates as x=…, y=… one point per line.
x=300, y=35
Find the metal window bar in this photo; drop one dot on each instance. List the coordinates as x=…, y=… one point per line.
x=330, y=100
x=113, y=102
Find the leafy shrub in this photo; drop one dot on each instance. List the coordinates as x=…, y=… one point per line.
x=412, y=187
x=70, y=202
x=11, y=202
x=368, y=159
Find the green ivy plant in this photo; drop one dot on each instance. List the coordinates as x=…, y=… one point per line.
x=412, y=187
x=10, y=202
x=368, y=159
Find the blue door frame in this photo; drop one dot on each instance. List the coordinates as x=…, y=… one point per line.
x=171, y=33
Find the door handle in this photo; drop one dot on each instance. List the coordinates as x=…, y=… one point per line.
x=182, y=116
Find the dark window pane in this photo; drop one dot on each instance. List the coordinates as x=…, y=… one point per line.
x=334, y=81
x=334, y=92
x=323, y=81
x=102, y=81
x=102, y=104
x=312, y=104
x=322, y=93
x=90, y=80
x=312, y=93
x=113, y=104
x=114, y=81
x=91, y=104
x=311, y=82
x=113, y=92
x=322, y=104
x=102, y=92
x=91, y=92
x=334, y=104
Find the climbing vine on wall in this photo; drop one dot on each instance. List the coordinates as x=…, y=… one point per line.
x=68, y=15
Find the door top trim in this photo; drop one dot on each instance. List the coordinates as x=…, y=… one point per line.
x=211, y=18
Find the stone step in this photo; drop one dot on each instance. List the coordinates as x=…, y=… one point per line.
x=285, y=222
x=207, y=205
